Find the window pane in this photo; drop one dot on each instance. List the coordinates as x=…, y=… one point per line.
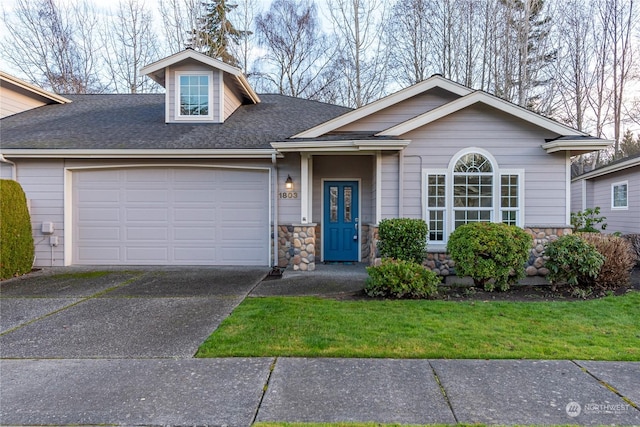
x=333, y=207
x=435, y=191
x=509, y=191
x=436, y=225
x=347, y=204
x=620, y=196
x=194, y=95
x=473, y=162
x=510, y=217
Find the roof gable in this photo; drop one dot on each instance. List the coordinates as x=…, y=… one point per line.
x=435, y=81
x=17, y=95
x=157, y=70
x=486, y=99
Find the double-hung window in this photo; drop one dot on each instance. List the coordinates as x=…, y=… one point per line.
x=619, y=196
x=195, y=96
x=472, y=189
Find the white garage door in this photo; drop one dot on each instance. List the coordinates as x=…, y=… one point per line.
x=171, y=216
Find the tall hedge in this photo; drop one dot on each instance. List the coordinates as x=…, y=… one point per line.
x=16, y=240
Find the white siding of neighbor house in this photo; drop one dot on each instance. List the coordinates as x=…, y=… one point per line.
x=514, y=143
x=17, y=101
x=401, y=112
x=232, y=97
x=171, y=88
x=623, y=220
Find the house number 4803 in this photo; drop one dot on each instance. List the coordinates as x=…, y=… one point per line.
x=289, y=195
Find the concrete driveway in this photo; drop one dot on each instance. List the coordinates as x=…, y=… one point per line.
x=77, y=313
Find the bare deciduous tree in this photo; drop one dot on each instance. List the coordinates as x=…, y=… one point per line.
x=131, y=44
x=54, y=44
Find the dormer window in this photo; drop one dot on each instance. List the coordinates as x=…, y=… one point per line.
x=195, y=95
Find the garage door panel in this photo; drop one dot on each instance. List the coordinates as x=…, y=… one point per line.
x=170, y=216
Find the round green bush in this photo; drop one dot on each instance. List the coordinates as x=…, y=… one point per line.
x=16, y=240
x=403, y=238
x=572, y=260
x=493, y=255
x=401, y=279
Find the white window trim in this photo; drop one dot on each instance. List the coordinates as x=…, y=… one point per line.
x=425, y=200
x=180, y=117
x=496, y=212
x=613, y=186
x=520, y=173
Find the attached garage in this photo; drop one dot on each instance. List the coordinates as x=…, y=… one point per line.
x=170, y=216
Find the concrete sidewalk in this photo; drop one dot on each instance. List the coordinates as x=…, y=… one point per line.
x=238, y=392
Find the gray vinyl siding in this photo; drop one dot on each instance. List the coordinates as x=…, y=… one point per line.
x=17, y=101
x=514, y=143
x=576, y=196
x=6, y=171
x=43, y=184
x=401, y=112
x=390, y=187
x=621, y=220
x=289, y=208
x=172, y=88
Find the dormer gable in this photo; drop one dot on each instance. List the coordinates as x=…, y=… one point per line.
x=200, y=89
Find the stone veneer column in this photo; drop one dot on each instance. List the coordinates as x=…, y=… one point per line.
x=297, y=246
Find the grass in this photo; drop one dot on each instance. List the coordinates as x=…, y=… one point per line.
x=599, y=329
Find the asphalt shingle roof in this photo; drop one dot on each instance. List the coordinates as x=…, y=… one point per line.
x=138, y=122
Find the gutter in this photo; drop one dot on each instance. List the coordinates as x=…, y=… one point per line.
x=140, y=154
x=14, y=168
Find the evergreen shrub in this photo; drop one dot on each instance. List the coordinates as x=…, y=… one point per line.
x=493, y=255
x=572, y=260
x=403, y=239
x=16, y=240
x=397, y=278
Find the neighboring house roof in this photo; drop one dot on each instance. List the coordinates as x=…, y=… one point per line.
x=137, y=122
x=157, y=70
x=618, y=165
x=16, y=95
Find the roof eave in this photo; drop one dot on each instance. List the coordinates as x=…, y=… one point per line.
x=609, y=169
x=258, y=153
x=34, y=89
x=576, y=146
x=358, y=145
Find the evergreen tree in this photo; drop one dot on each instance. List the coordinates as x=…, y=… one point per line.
x=215, y=33
x=628, y=145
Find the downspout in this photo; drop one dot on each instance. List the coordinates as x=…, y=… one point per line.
x=14, y=169
x=276, y=238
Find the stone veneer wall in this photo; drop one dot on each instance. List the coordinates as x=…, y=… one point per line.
x=443, y=265
x=297, y=246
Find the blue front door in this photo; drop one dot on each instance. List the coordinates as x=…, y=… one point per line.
x=340, y=221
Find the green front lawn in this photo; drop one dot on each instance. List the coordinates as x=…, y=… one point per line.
x=599, y=329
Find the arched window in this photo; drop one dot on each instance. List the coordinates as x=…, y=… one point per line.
x=471, y=189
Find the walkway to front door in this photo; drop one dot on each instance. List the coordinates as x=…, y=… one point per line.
x=340, y=221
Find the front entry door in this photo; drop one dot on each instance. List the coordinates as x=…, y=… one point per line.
x=340, y=221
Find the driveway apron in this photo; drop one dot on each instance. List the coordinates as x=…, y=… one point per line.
x=134, y=313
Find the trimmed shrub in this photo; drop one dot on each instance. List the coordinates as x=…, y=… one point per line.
x=403, y=238
x=634, y=241
x=401, y=279
x=493, y=255
x=618, y=261
x=16, y=240
x=572, y=260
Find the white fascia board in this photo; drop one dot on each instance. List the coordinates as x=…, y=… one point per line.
x=374, y=107
x=139, y=154
x=484, y=98
x=351, y=145
x=576, y=146
x=33, y=88
x=609, y=169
